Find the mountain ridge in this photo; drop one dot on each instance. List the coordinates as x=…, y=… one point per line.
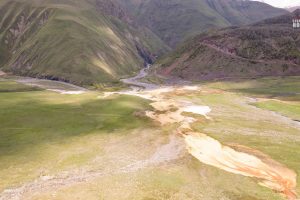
x=96, y=42
x=73, y=41
x=267, y=48
x=293, y=8
x=191, y=17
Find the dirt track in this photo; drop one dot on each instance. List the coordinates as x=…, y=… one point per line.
x=233, y=55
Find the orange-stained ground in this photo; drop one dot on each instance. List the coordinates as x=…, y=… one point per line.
x=167, y=109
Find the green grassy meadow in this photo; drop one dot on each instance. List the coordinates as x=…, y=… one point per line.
x=237, y=120
x=43, y=131
x=285, y=88
x=49, y=134
x=287, y=109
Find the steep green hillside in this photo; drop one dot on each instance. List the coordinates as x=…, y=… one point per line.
x=176, y=20
x=79, y=41
x=268, y=48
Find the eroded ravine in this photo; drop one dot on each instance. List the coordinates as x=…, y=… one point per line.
x=167, y=109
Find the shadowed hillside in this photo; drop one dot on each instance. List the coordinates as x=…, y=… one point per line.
x=176, y=20
x=267, y=48
x=83, y=42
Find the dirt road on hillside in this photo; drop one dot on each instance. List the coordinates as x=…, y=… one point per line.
x=233, y=55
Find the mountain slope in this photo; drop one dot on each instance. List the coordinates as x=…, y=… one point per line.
x=83, y=42
x=268, y=48
x=293, y=8
x=176, y=20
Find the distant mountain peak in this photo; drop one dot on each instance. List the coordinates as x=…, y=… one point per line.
x=297, y=12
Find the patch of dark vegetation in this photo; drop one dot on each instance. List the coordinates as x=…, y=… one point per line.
x=147, y=57
x=27, y=120
x=20, y=90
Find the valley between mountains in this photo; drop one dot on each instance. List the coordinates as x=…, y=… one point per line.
x=149, y=100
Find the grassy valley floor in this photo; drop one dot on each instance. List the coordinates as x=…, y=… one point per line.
x=60, y=146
